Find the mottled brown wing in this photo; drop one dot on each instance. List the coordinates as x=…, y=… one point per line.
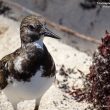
x=6, y=64
x=3, y=71
x=7, y=61
x=3, y=81
x=11, y=56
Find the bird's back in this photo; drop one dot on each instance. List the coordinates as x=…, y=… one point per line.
x=5, y=66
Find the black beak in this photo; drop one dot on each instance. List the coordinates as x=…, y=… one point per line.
x=48, y=33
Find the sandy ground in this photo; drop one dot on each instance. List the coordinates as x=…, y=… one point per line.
x=55, y=98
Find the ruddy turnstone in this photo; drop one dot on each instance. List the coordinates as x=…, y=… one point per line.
x=29, y=71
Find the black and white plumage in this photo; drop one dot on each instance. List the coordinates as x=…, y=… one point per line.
x=29, y=71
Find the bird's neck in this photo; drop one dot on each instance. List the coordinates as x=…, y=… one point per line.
x=39, y=43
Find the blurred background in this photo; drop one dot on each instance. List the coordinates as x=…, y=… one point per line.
x=85, y=17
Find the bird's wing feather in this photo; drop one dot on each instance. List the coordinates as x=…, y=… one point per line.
x=3, y=71
x=48, y=64
x=3, y=81
x=6, y=64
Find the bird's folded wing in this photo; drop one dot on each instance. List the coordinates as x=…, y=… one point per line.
x=3, y=81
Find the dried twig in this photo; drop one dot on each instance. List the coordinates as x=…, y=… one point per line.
x=54, y=25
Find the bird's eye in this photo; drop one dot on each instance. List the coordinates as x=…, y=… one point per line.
x=31, y=27
x=38, y=27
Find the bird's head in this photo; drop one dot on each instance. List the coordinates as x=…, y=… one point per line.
x=34, y=28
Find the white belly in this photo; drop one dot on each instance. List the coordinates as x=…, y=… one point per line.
x=19, y=91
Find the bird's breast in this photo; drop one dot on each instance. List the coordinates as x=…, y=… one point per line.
x=34, y=89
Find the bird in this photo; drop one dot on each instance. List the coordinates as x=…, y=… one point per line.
x=29, y=71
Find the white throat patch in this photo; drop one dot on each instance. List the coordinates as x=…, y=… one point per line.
x=39, y=43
